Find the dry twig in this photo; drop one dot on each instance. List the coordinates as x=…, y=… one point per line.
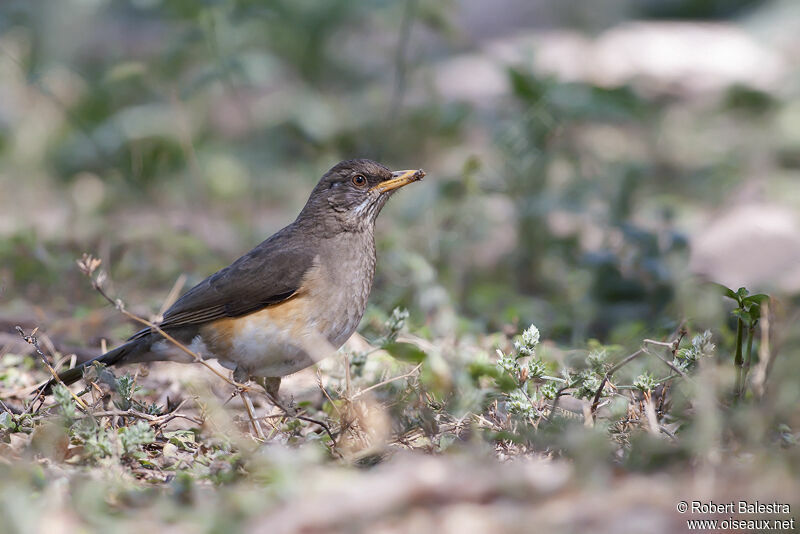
x=31, y=339
x=387, y=381
x=607, y=377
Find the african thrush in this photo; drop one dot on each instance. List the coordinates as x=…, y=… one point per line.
x=292, y=300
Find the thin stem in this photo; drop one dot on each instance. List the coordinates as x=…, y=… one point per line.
x=387, y=381
x=560, y=392
x=31, y=339
x=737, y=360
x=746, y=368
x=670, y=345
x=5, y=407
x=157, y=419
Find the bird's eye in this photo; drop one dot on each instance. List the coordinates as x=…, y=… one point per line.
x=359, y=180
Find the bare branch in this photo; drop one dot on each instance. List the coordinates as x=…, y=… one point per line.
x=387, y=381
x=31, y=339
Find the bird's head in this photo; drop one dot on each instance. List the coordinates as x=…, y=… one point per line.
x=351, y=194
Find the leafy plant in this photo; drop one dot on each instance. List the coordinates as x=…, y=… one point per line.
x=747, y=314
x=66, y=404
x=645, y=382
x=133, y=437
x=528, y=374
x=686, y=358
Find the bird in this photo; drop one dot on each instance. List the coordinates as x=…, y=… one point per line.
x=289, y=302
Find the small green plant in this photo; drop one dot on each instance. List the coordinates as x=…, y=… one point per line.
x=395, y=323
x=11, y=423
x=686, y=358
x=526, y=344
x=95, y=439
x=65, y=402
x=531, y=383
x=586, y=383
x=531, y=395
x=126, y=387
x=747, y=313
x=133, y=437
x=645, y=382
x=597, y=360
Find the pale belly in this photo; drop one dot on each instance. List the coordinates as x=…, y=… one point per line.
x=270, y=343
x=266, y=351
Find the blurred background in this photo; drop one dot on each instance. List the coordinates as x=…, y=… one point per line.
x=586, y=160
x=592, y=166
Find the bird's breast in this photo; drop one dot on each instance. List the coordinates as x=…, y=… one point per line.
x=339, y=284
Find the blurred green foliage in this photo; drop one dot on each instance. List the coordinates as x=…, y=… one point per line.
x=630, y=281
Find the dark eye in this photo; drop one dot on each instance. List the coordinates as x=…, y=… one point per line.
x=359, y=180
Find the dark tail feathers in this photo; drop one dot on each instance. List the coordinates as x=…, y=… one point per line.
x=112, y=357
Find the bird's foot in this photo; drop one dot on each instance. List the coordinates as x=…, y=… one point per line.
x=271, y=385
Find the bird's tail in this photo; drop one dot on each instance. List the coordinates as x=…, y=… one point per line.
x=116, y=355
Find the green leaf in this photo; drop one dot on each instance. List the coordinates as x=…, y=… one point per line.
x=645, y=382
x=525, y=86
x=405, y=352
x=741, y=293
x=7, y=421
x=756, y=299
x=134, y=436
x=728, y=292
x=64, y=399
x=741, y=314
x=125, y=387
x=181, y=438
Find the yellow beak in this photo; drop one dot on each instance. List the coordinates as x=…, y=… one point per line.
x=399, y=179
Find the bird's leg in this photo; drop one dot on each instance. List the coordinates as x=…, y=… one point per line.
x=240, y=376
x=271, y=385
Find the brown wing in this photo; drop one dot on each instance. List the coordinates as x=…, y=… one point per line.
x=270, y=273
